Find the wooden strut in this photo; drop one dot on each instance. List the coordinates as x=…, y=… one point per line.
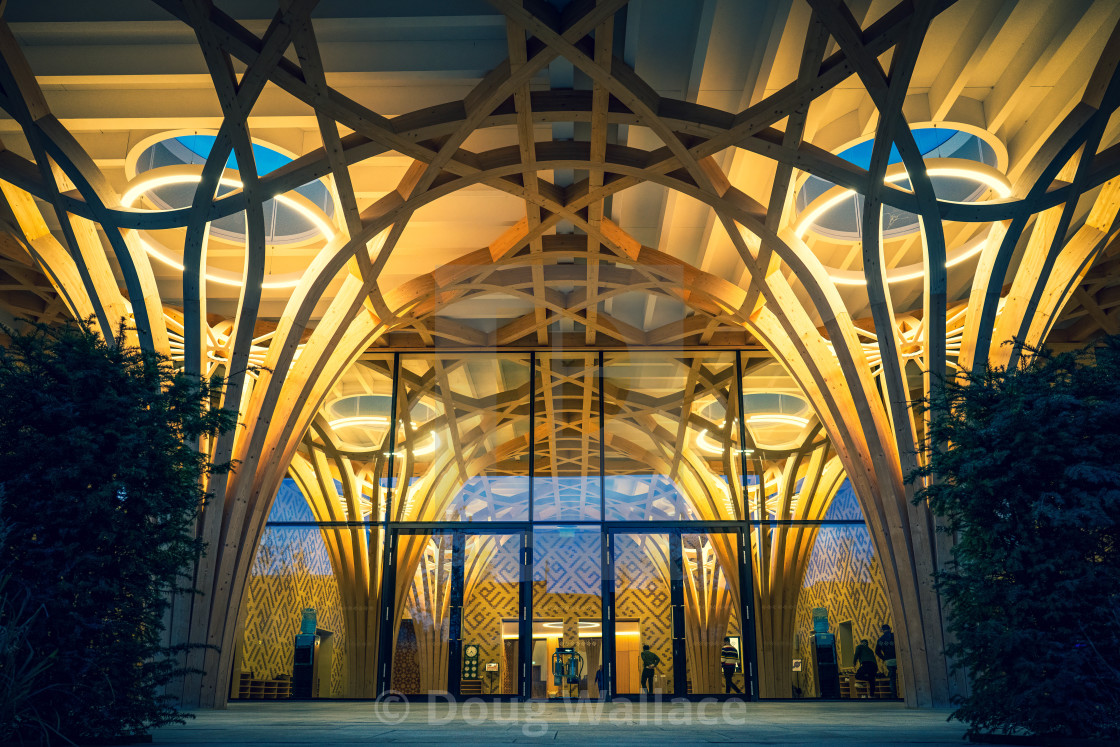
x=1034, y=261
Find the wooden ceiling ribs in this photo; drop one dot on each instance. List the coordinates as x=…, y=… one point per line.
x=1045, y=268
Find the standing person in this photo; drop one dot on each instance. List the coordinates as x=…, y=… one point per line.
x=866, y=668
x=729, y=659
x=650, y=661
x=884, y=649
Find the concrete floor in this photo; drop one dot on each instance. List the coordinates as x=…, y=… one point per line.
x=789, y=723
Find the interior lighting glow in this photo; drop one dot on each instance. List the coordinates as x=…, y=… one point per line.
x=360, y=421
x=143, y=185
x=380, y=421
x=705, y=444
x=778, y=419
x=999, y=185
x=430, y=448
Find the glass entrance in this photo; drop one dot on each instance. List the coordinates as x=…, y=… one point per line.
x=457, y=622
x=713, y=630
x=677, y=620
x=645, y=578
x=567, y=617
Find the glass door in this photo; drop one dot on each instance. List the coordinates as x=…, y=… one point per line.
x=458, y=613
x=490, y=640
x=567, y=629
x=647, y=652
x=714, y=637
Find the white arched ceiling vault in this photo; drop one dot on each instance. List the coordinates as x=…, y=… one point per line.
x=585, y=125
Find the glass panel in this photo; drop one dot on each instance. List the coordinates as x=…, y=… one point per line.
x=779, y=422
x=711, y=611
x=643, y=614
x=832, y=578
x=672, y=437
x=566, y=485
x=491, y=601
x=567, y=611
x=313, y=576
x=422, y=619
x=462, y=442
x=357, y=424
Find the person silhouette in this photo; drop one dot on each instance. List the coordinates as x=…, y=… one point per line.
x=884, y=649
x=729, y=659
x=650, y=661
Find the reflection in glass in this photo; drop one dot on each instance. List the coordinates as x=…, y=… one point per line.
x=671, y=444
x=422, y=619
x=672, y=437
x=711, y=610
x=643, y=610
x=462, y=449
x=351, y=442
x=491, y=600
x=830, y=569
x=566, y=485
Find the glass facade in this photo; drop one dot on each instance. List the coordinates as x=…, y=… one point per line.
x=554, y=524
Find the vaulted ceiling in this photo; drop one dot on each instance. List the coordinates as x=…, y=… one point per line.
x=693, y=112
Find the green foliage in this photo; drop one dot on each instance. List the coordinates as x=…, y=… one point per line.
x=100, y=485
x=1030, y=485
x=21, y=668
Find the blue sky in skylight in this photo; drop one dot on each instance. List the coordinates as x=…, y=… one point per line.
x=267, y=159
x=927, y=139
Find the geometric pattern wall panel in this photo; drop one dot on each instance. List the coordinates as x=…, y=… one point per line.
x=290, y=504
x=492, y=595
x=843, y=576
x=642, y=594
x=290, y=573
x=845, y=506
x=406, y=669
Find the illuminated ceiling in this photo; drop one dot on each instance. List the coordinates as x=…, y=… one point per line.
x=658, y=174
x=127, y=77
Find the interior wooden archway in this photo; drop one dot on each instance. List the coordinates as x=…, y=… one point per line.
x=1035, y=248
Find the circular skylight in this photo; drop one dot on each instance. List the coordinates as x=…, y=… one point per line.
x=284, y=224
x=843, y=219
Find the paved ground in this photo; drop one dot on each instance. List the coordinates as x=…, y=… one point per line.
x=339, y=723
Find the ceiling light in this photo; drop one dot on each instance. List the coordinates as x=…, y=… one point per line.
x=778, y=419
x=146, y=184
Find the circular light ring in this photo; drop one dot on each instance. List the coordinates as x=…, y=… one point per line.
x=770, y=420
x=705, y=444
x=950, y=167
x=193, y=175
x=959, y=168
x=360, y=421
x=776, y=418
x=359, y=405
x=365, y=422
x=915, y=271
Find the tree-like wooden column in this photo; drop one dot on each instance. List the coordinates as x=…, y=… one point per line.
x=1037, y=243
x=804, y=485
x=428, y=601
x=355, y=551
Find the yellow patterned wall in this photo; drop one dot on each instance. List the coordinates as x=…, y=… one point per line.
x=844, y=577
x=291, y=572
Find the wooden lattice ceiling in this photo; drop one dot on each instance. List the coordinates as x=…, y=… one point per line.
x=567, y=174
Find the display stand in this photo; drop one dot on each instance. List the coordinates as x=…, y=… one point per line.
x=567, y=670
